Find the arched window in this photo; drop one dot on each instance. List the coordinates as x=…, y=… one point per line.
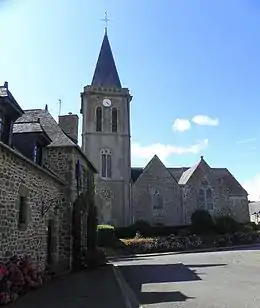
x=99, y=119
x=114, y=119
x=157, y=200
x=201, y=198
x=205, y=196
x=106, y=164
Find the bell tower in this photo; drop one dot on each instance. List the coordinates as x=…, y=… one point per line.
x=105, y=107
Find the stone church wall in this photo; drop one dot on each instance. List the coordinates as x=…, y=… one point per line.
x=157, y=177
x=41, y=190
x=224, y=204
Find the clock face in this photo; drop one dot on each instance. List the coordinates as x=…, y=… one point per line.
x=106, y=102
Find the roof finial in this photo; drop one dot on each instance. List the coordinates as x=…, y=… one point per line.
x=106, y=20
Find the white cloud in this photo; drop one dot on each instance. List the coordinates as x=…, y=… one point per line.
x=163, y=151
x=205, y=120
x=252, y=186
x=181, y=125
x=246, y=140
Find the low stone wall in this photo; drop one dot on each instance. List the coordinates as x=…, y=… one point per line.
x=31, y=201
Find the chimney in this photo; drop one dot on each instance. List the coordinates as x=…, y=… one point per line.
x=69, y=124
x=6, y=85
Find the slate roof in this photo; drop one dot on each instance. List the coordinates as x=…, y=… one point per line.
x=52, y=129
x=254, y=207
x=27, y=127
x=135, y=172
x=183, y=173
x=106, y=73
x=13, y=100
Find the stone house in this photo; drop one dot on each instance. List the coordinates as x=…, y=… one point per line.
x=42, y=174
x=155, y=193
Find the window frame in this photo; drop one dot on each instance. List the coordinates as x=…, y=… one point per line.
x=106, y=164
x=157, y=198
x=205, y=200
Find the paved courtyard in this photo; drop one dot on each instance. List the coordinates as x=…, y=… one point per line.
x=205, y=280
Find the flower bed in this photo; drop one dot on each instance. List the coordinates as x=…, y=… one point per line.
x=177, y=243
x=17, y=277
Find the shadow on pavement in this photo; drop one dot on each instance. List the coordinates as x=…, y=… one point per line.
x=139, y=275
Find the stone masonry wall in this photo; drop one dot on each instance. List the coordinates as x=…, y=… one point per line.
x=157, y=177
x=224, y=204
x=62, y=161
x=21, y=178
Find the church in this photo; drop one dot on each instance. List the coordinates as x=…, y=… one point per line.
x=44, y=173
x=155, y=193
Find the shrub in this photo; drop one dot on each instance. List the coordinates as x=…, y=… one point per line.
x=226, y=224
x=106, y=236
x=143, y=227
x=183, y=232
x=202, y=222
x=125, y=232
x=17, y=277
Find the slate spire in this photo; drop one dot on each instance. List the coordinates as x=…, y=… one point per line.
x=106, y=73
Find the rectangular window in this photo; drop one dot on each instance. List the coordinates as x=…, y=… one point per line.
x=22, y=210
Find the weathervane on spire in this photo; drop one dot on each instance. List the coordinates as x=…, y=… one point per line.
x=106, y=20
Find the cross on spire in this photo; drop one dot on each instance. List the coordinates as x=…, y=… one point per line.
x=106, y=20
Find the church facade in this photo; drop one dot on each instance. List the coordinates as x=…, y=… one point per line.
x=159, y=195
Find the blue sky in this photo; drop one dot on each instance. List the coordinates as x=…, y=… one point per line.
x=180, y=59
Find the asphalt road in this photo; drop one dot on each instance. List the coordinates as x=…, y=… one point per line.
x=203, y=280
